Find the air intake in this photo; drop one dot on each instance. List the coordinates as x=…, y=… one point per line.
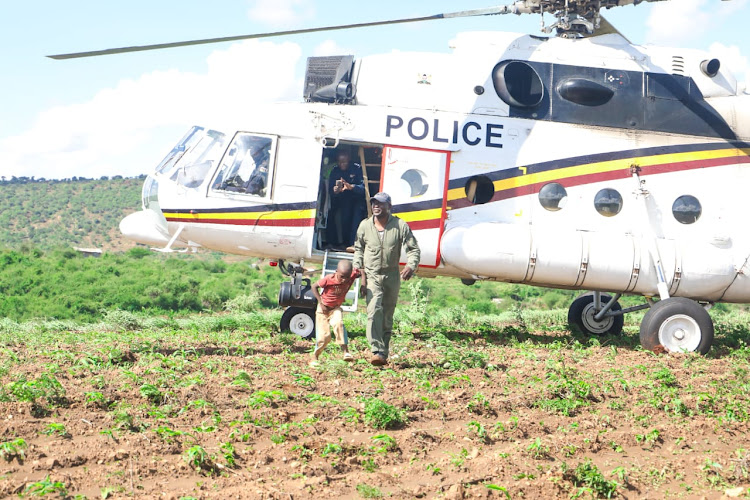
x=328, y=79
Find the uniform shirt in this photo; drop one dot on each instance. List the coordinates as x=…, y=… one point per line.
x=334, y=292
x=352, y=175
x=378, y=255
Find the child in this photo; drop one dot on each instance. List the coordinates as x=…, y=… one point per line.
x=329, y=314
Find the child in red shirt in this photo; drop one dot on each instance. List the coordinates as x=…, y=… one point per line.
x=329, y=314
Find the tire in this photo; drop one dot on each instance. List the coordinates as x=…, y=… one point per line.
x=581, y=317
x=677, y=324
x=298, y=321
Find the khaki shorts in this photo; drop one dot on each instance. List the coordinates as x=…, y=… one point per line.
x=324, y=322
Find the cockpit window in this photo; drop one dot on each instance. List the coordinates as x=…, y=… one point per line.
x=185, y=143
x=246, y=166
x=190, y=162
x=193, y=167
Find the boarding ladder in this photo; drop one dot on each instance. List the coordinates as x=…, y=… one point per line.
x=330, y=263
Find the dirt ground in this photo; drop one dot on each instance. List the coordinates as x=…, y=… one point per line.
x=178, y=415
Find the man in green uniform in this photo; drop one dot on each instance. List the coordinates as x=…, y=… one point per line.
x=377, y=249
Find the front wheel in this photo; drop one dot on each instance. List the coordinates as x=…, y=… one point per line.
x=581, y=316
x=678, y=325
x=299, y=321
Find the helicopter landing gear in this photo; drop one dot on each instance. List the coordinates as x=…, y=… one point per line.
x=595, y=313
x=678, y=325
x=299, y=321
x=296, y=295
x=674, y=324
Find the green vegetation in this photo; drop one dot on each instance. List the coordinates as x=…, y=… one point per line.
x=367, y=491
x=47, y=487
x=57, y=214
x=64, y=285
x=587, y=477
x=380, y=415
x=486, y=388
x=13, y=449
x=240, y=406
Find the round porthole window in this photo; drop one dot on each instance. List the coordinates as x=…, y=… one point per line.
x=553, y=196
x=414, y=183
x=479, y=189
x=608, y=202
x=686, y=209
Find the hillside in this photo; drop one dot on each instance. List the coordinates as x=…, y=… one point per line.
x=56, y=214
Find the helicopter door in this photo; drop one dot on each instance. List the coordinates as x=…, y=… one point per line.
x=416, y=179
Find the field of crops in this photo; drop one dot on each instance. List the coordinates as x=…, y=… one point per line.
x=471, y=406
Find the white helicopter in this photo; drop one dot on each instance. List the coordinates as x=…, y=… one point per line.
x=572, y=161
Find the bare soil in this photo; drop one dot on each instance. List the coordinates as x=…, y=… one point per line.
x=486, y=416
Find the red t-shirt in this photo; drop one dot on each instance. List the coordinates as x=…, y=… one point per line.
x=334, y=293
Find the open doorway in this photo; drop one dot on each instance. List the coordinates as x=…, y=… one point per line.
x=349, y=175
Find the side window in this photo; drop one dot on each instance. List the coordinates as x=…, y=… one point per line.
x=246, y=167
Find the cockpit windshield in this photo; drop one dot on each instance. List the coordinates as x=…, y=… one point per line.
x=168, y=162
x=193, y=158
x=246, y=167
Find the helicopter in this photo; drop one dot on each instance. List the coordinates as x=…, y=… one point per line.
x=577, y=161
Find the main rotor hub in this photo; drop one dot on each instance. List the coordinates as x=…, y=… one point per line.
x=575, y=18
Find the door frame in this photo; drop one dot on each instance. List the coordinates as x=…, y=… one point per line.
x=427, y=223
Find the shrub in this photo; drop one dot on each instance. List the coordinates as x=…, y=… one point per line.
x=123, y=319
x=243, y=303
x=381, y=415
x=587, y=477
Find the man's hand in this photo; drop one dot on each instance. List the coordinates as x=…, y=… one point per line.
x=363, y=285
x=407, y=273
x=324, y=308
x=346, y=186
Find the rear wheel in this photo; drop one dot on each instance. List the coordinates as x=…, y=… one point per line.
x=581, y=316
x=678, y=325
x=299, y=321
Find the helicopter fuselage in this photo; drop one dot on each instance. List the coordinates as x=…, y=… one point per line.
x=610, y=167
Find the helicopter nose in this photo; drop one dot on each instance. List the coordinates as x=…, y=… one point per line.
x=144, y=227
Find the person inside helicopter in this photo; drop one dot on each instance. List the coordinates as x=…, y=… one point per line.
x=251, y=162
x=256, y=184
x=346, y=190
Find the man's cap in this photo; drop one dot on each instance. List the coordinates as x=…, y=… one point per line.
x=382, y=198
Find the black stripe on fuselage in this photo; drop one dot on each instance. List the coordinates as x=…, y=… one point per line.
x=598, y=158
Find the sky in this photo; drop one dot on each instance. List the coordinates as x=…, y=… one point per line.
x=121, y=114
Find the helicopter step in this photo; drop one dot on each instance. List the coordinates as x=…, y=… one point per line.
x=674, y=324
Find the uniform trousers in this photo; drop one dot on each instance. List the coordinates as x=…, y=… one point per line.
x=382, y=295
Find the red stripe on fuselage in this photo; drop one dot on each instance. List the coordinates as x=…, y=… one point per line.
x=424, y=224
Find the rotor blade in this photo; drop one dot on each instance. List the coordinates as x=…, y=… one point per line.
x=505, y=9
x=607, y=28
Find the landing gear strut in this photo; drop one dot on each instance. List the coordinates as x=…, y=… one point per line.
x=584, y=317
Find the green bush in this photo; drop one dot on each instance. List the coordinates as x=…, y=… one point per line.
x=380, y=415
x=243, y=303
x=120, y=288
